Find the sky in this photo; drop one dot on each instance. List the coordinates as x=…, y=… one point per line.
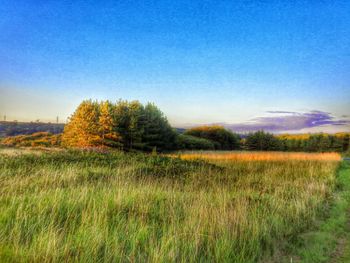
x=282, y=66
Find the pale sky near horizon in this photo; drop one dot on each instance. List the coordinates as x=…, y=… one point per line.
x=276, y=65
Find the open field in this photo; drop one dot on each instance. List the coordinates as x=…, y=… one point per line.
x=118, y=207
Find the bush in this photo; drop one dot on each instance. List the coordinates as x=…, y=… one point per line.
x=188, y=142
x=222, y=138
x=44, y=139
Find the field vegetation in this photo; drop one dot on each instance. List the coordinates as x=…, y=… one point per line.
x=112, y=206
x=38, y=139
x=216, y=156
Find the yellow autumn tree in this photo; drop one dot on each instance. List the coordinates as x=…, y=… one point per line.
x=83, y=128
x=108, y=124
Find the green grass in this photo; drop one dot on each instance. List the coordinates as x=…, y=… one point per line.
x=330, y=238
x=116, y=207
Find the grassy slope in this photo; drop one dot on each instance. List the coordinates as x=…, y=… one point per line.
x=330, y=240
x=119, y=207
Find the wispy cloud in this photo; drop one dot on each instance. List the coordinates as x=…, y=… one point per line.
x=280, y=121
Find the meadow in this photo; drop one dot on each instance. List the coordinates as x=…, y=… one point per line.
x=81, y=206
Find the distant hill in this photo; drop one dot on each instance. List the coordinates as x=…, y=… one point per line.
x=12, y=128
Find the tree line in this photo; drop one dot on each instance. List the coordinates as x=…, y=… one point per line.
x=134, y=126
x=263, y=141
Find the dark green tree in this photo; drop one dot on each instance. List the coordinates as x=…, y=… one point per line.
x=188, y=142
x=137, y=124
x=262, y=141
x=222, y=138
x=346, y=142
x=157, y=132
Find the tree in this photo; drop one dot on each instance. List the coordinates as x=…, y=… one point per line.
x=346, y=142
x=107, y=123
x=83, y=128
x=136, y=124
x=157, y=131
x=222, y=138
x=188, y=142
x=314, y=143
x=122, y=121
x=324, y=143
x=262, y=141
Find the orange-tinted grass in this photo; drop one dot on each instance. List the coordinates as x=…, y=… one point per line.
x=260, y=156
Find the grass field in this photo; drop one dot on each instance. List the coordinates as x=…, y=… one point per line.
x=226, y=156
x=93, y=207
x=329, y=240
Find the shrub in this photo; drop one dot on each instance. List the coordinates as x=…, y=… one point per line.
x=45, y=139
x=188, y=142
x=222, y=138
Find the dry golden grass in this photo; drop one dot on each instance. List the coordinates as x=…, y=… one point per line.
x=260, y=156
x=16, y=151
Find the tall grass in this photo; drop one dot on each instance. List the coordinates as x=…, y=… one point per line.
x=259, y=156
x=116, y=207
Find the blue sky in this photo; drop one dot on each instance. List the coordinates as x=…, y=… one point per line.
x=230, y=62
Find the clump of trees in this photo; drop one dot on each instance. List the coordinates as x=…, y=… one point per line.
x=189, y=142
x=133, y=126
x=222, y=138
x=263, y=141
x=317, y=143
x=125, y=125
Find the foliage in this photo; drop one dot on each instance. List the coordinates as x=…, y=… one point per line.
x=157, y=131
x=107, y=124
x=262, y=141
x=222, y=138
x=42, y=139
x=129, y=125
x=297, y=142
x=302, y=136
x=346, y=143
x=188, y=142
x=318, y=143
x=83, y=129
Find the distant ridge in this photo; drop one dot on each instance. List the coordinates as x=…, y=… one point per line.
x=13, y=128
